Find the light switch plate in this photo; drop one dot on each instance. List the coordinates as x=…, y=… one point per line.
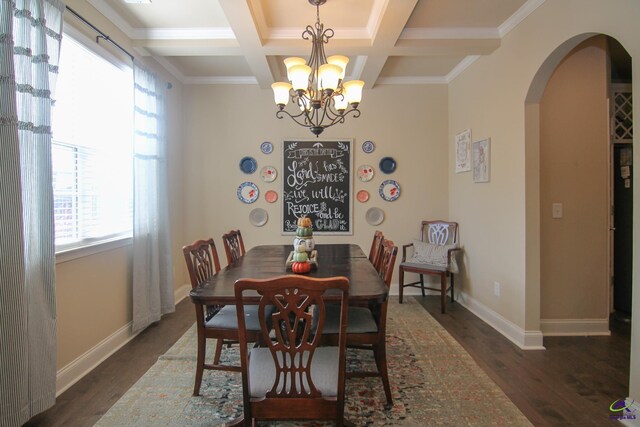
x=556, y=210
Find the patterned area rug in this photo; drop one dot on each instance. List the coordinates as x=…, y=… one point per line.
x=434, y=381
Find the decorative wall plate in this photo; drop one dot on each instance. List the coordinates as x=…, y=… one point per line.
x=271, y=196
x=266, y=147
x=268, y=173
x=387, y=164
x=374, y=216
x=258, y=217
x=368, y=146
x=363, y=196
x=365, y=173
x=248, y=165
x=389, y=190
x=248, y=192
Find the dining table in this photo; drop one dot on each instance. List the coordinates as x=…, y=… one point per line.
x=268, y=261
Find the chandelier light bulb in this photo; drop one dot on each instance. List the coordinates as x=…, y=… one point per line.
x=290, y=62
x=341, y=61
x=340, y=103
x=353, y=89
x=329, y=76
x=281, y=93
x=299, y=75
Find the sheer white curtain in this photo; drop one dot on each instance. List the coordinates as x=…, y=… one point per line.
x=30, y=34
x=153, y=293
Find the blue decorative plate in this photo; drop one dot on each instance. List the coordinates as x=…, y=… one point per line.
x=248, y=192
x=389, y=190
x=387, y=165
x=368, y=146
x=248, y=165
x=266, y=147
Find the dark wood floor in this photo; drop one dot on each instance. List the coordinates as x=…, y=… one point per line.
x=573, y=382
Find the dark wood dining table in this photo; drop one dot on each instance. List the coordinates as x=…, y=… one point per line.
x=266, y=261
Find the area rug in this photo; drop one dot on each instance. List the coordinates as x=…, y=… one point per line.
x=434, y=382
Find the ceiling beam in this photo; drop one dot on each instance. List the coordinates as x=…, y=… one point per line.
x=245, y=28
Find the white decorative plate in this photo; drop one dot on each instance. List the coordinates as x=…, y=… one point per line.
x=374, y=216
x=268, y=173
x=248, y=192
x=389, y=190
x=365, y=173
x=258, y=217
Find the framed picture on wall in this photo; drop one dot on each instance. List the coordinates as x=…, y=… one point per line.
x=481, y=160
x=463, y=151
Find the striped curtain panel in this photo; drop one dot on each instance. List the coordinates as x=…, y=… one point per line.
x=153, y=293
x=30, y=34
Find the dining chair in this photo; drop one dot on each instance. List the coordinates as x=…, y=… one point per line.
x=233, y=245
x=292, y=378
x=433, y=254
x=376, y=246
x=367, y=326
x=217, y=322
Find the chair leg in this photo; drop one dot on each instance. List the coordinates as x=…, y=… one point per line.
x=451, y=275
x=216, y=357
x=200, y=364
x=380, y=354
x=443, y=291
x=422, y=284
x=400, y=284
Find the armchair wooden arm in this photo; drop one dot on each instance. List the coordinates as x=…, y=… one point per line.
x=404, y=251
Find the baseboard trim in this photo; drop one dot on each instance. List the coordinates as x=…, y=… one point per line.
x=526, y=340
x=81, y=366
x=575, y=327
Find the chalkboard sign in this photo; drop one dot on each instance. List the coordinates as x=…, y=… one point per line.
x=317, y=181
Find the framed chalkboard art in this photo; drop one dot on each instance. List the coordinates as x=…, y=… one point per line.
x=317, y=182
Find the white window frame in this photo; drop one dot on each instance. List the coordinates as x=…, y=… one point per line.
x=65, y=253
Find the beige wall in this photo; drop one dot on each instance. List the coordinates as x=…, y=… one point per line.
x=94, y=292
x=499, y=218
x=574, y=161
x=226, y=123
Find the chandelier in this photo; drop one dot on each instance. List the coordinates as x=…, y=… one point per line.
x=317, y=87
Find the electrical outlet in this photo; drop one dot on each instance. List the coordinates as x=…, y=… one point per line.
x=496, y=288
x=557, y=210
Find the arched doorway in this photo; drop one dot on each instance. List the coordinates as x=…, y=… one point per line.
x=552, y=163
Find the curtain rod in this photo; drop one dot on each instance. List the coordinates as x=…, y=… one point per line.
x=100, y=35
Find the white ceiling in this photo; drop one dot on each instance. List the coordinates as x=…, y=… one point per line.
x=387, y=41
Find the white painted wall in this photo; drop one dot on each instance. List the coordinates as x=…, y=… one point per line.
x=501, y=218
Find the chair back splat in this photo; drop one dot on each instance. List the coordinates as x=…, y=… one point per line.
x=292, y=377
x=376, y=247
x=233, y=246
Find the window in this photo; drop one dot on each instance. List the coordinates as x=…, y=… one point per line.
x=92, y=153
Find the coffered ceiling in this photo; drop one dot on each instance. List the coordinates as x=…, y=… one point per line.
x=245, y=41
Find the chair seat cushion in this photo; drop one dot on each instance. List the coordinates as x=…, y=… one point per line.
x=324, y=371
x=227, y=318
x=360, y=320
x=433, y=254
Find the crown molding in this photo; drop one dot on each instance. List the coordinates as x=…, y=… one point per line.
x=519, y=16
x=204, y=33
x=462, y=65
x=449, y=33
x=221, y=80
x=113, y=16
x=413, y=80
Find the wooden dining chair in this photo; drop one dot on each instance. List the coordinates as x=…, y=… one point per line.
x=217, y=322
x=233, y=245
x=433, y=255
x=292, y=378
x=376, y=246
x=367, y=326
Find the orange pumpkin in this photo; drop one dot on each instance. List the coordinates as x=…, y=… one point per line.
x=301, y=267
x=304, y=222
